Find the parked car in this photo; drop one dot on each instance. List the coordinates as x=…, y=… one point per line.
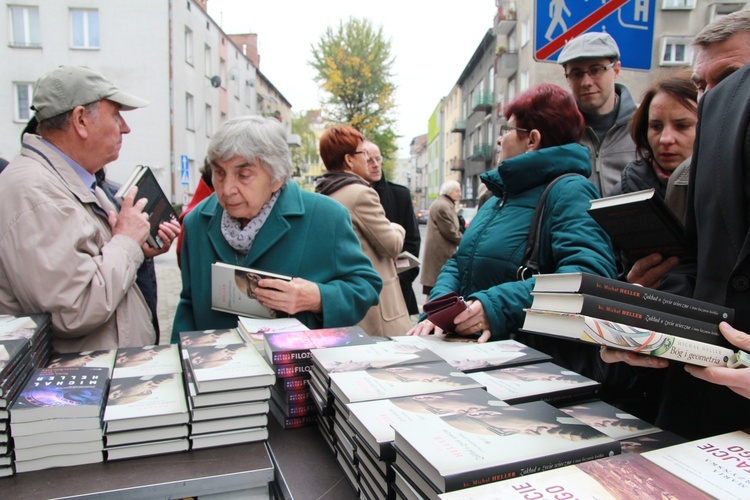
x=423, y=215
x=468, y=214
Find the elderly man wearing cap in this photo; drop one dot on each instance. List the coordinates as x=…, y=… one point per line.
x=592, y=64
x=64, y=249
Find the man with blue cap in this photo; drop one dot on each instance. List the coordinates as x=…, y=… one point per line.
x=592, y=64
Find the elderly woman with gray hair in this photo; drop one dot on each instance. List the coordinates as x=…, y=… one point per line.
x=258, y=217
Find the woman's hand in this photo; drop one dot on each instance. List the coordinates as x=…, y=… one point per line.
x=425, y=327
x=737, y=379
x=291, y=297
x=473, y=321
x=168, y=232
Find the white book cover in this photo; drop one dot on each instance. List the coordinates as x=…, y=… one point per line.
x=210, y=337
x=380, y=383
x=146, y=398
x=147, y=360
x=612, y=421
x=468, y=355
x=717, y=465
x=233, y=366
x=232, y=290
x=98, y=359
x=380, y=355
x=536, y=381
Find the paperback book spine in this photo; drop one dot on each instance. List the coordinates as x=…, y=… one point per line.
x=293, y=383
x=654, y=299
x=649, y=319
x=291, y=370
x=287, y=357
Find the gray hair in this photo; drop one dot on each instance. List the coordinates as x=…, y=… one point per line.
x=254, y=138
x=449, y=186
x=722, y=29
x=62, y=121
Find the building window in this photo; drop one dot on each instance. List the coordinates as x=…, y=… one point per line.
x=23, y=94
x=223, y=72
x=675, y=51
x=207, y=61
x=678, y=4
x=525, y=32
x=525, y=81
x=209, y=121
x=84, y=29
x=719, y=10
x=189, y=112
x=25, y=27
x=189, y=53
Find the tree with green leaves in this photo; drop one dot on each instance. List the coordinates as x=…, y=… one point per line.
x=307, y=152
x=353, y=63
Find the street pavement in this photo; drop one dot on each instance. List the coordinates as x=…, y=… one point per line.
x=169, y=283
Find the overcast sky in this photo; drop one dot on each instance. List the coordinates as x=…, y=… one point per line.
x=431, y=41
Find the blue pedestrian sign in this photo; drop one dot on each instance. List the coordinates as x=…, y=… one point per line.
x=630, y=22
x=185, y=170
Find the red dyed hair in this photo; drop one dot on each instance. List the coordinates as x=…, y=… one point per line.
x=337, y=142
x=551, y=110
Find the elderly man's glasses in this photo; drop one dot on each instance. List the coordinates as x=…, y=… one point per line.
x=362, y=152
x=594, y=72
x=504, y=129
x=375, y=159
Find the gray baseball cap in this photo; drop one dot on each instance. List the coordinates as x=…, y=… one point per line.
x=589, y=46
x=66, y=87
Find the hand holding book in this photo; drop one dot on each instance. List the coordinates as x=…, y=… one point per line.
x=132, y=221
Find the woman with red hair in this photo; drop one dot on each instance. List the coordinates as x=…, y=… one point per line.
x=348, y=182
x=537, y=145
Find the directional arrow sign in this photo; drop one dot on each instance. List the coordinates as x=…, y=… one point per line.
x=630, y=22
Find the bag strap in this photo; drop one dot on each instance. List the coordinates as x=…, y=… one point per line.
x=530, y=263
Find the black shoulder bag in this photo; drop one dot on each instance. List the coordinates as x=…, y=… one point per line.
x=530, y=263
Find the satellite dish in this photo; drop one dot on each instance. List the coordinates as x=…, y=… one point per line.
x=215, y=81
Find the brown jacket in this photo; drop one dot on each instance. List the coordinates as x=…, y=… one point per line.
x=442, y=238
x=58, y=255
x=381, y=241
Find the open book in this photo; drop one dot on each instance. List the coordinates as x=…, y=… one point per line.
x=405, y=261
x=158, y=208
x=232, y=290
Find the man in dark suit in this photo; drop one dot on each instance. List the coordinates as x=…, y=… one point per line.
x=396, y=201
x=697, y=401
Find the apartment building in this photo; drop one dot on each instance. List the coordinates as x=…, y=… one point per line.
x=169, y=52
x=504, y=65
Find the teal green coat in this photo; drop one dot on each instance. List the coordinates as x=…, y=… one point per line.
x=485, y=264
x=306, y=235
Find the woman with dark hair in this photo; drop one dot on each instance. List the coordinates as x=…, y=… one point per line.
x=348, y=182
x=663, y=129
x=538, y=144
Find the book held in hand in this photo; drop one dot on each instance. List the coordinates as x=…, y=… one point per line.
x=629, y=293
x=232, y=290
x=405, y=261
x=640, y=224
x=624, y=337
x=158, y=207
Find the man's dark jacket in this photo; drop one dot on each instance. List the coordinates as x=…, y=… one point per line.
x=396, y=200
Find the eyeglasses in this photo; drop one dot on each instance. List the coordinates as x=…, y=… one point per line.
x=363, y=153
x=594, y=72
x=376, y=159
x=504, y=129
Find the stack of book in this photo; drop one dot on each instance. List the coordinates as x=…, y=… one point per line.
x=620, y=315
x=146, y=412
x=228, y=385
x=25, y=344
x=467, y=355
x=56, y=419
x=479, y=446
x=253, y=330
x=289, y=354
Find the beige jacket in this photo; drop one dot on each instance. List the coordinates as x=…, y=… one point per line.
x=381, y=241
x=58, y=255
x=443, y=237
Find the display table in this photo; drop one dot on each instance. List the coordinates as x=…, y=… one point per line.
x=306, y=469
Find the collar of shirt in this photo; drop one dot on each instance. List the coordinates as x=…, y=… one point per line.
x=88, y=179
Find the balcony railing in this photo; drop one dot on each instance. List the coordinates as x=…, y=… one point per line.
x=481, y=152
x=483, y=101
x=459, y=126
x=507, y=64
